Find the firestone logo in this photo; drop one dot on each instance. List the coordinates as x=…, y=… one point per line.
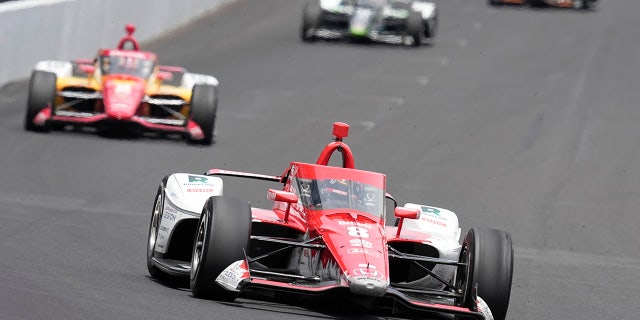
x=364, y=272
x=363, y=251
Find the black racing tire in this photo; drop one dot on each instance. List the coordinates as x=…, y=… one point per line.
x=222, y=238
x=493, y=2
x=204, y=107
x=489, y=253
x=154, y=225
x=415, y=28
x=431, y=31
x=586, y=5
x=464, y=281
x=311, y=14
x=535, y=3
x=42, y=92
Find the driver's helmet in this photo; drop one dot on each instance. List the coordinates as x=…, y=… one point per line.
x=336, y=192
x=105, y=64
x=129, y=63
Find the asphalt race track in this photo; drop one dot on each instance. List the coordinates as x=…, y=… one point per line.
x=517, y=119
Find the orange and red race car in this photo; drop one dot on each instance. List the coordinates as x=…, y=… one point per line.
x=578, y=4
x=122, y=88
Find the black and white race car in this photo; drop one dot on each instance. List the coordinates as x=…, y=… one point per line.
x=411, y=22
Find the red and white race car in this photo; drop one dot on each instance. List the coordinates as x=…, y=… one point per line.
x=326, y=233
x=123, y=88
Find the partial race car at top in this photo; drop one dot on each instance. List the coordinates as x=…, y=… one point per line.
x=123, y=88
x=411, y=22
x=578, y=4
x=326, y=234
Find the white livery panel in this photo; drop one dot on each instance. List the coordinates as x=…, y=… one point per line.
x=426, y=9
x=60, y=68
x=185, y=196
x=444, y=230
x=191, y=79
x=190, y=191
x=434, y=220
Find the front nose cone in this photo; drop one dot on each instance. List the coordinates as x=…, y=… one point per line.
x=367, y=283
x=122, y=98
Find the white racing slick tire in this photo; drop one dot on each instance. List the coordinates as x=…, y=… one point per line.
x=222, y=238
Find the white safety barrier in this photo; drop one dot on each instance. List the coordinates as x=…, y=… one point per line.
x=34, y=30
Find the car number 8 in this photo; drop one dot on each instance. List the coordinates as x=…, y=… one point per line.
x=358, y=232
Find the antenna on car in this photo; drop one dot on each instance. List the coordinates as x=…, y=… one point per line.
x=340, y=131
x=129, y=38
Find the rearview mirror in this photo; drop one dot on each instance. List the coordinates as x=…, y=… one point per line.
x=163, y=75
x=87, y=68
x=280, y=195
x=408, y=213
x=404, y=213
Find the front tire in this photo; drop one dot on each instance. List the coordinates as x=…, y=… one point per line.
x=154, y=226
x=204, y=106
x=415, y=28
x=42, y=93
x=535, y=3
x=310, y=20
x=222, y=237
x=431, y=30
x=490, y=265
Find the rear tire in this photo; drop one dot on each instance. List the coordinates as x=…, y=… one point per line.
x=222, y=237
x=310, y=20
x=430, y=31
x=204, y=106
x=586, y=5
x=415, y=29
x=535, y=3
x=490, y=256
x=42, y=93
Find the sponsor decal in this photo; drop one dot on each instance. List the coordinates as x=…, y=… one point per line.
x=431, y=210
x=363, y=251
x=357, y=232
x=436, y=222
x=164, y=229
x=198, y=179
x=367, y=266
x=199, y=190
x=361, y=243
x=169, y=216
x=233, y=274
x=353, y=223
x=123, y=89
x=367, y=273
